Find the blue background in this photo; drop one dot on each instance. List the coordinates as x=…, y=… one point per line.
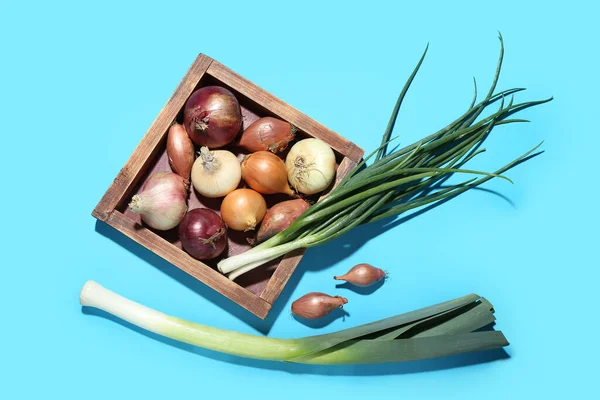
x=81, y=83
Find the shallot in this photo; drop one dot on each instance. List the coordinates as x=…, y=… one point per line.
x=279, y=217
x=362, y=275
x=316, y=305
x=180, y=150
x=212, y=116
x=162, y=202
x=267, y=133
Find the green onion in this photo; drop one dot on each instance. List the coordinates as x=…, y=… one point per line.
x=398, y=181
x=437, y=331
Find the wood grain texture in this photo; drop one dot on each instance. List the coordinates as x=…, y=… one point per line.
x=284, y=111
x=290, y=261
x=148, y=146
x=185, y=262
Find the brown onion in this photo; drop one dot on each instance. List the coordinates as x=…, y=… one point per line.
x=180, y=150
x=265, y=172
x=267, y=133
x=362, y=275
x=212, y=117
x=316, y=305
x=243, y=209
x=162, y=202
x=279, y=217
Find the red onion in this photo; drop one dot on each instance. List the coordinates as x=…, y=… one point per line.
x=362, y=275
x=267, y=133
x=162, y=203
x=212, y=117
x=203, y=234
x=180, y=151
x=316, y=305
x=279, y=217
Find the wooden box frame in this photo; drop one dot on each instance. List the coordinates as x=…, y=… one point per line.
x=154, y=140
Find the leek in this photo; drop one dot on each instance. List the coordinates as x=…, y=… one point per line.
x=437, y=331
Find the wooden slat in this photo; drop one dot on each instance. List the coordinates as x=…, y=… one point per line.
x=290, y=261
x=285, y=111
x=195, y=268
x=148, y=146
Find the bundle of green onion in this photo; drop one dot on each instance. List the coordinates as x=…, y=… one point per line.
x=442, y=330
x=396, y=181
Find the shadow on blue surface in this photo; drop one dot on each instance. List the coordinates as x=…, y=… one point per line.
x=361, y=290
x=263, y=326
x=410, y=367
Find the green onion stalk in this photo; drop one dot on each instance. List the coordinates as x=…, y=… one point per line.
x=446, y=329
x=397, y=181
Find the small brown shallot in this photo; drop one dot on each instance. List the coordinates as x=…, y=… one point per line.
x=279, y=217
x=180, y=150
x=264, y=172
x=267, y=133
x=362, y=275
x=315, y=305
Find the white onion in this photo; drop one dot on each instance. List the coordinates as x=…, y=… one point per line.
x=216, y=173
x=310, y=166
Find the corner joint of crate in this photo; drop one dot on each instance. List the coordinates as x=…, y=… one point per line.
x=101, y=215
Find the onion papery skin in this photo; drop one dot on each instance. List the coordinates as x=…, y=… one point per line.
x=216, y=173
x=212, y=117
x=243, y=209
x=203, y=234
x=310, y=166
x=279, y=217
x=180, y=150
x=316, y=305
x=265, y=172
x=162, y=201
x=362, y=275
x=267, y=134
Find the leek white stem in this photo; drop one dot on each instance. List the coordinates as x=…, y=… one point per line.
x=240, y=344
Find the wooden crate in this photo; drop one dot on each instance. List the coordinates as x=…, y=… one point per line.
x=257, y=290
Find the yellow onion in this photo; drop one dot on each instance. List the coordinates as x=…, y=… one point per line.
x=243, y=209
x=264, y=172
